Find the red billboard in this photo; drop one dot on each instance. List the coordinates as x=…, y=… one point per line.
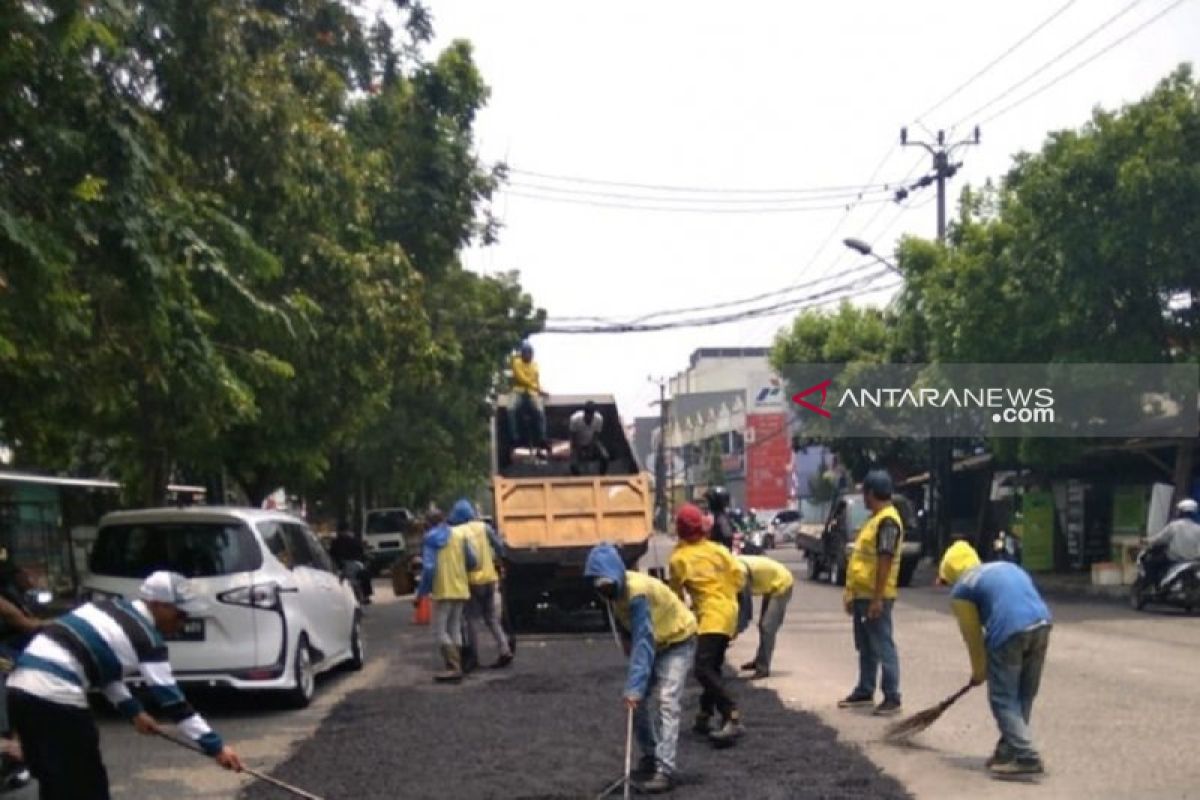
x=768, y=458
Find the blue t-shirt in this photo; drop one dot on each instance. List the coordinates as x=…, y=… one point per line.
x=1007, y=600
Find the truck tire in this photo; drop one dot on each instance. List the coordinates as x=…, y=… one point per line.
x=814, y=567
x=907, y=567
x=837, y=571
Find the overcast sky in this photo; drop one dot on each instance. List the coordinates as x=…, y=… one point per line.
x=754, y=95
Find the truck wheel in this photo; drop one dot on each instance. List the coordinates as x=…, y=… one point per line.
x=837, y=572
x=907, y=567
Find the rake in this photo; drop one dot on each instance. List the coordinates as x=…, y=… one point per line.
x=287, y=787
x=911, y=726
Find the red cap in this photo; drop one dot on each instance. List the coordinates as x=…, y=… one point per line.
x=689, y=523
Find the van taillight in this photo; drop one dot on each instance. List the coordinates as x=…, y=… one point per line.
x=260, y=595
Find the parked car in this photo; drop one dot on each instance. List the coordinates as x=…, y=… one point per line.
x=278, y=612
x=829, y=553
x=783, y=527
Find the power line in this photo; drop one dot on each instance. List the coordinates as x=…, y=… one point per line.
x=768, y=209
x=726, y=200
x=789, y=305
x=987, y=67
x=1079, y=43
x=1086, y=61
x=714, y=306
x=701, y=189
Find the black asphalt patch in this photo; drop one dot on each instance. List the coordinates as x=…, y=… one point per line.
x=553, y=727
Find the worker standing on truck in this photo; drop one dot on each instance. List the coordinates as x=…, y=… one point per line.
x=525, y=410
x=447, y=558
x=872, y=576
x=1006, y=626
x=483, y=580
x=771, y=580
x=709, y=575
x=585, y=427
x=659, y=635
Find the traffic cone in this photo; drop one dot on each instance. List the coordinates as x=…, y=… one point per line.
x=423, y=614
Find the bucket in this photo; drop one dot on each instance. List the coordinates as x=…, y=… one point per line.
x=402, y=580
x=423, y=613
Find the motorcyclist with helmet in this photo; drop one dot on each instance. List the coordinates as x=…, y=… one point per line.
x=1177, y=542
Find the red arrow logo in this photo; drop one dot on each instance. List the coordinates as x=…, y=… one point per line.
x=823, y=388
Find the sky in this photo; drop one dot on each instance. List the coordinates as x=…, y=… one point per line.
x=757, y=95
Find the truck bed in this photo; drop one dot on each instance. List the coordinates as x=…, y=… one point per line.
x=539, y=513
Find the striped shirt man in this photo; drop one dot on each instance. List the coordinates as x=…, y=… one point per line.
x=98, y=645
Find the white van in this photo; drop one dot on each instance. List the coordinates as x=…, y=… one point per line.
x=278, y=614
x=383, y=536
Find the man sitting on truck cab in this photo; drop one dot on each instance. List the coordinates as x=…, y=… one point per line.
x=526, y=402
x=585, y=427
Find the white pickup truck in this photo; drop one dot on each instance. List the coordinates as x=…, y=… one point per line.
x=383, y=536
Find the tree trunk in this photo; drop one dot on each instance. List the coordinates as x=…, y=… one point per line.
x=1185, y=453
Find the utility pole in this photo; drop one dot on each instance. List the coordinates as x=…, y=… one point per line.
x=941, y=449
x=662, y=512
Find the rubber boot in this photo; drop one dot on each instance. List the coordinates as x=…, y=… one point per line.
x=728, y=733
x=453, y=672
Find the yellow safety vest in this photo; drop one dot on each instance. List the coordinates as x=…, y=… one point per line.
x=767, y=576
x=525, y=376
x=860, y=572
x=450, y=580
x=476, y=533
x=710, y=575
x=672, y=621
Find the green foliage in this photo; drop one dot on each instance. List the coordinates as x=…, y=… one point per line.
x=228, y=243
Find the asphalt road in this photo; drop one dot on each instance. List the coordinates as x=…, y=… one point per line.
x=1114, y=718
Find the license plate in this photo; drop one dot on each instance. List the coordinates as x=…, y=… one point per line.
x=193, y=631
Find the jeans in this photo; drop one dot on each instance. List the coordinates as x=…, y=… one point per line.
x=483, y=608
x=62, y=748
x=1014, y=675
x=710, y=658
x=658, y=733
x=448, y=622
x=770, y=620
x=876, y=647
x=523, y=407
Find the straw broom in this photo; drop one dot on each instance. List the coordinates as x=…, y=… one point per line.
x=911, y=726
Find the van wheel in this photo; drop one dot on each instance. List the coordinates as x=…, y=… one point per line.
x=907, y=567
x=304, y=674
x=837, y=572
x=358, y=655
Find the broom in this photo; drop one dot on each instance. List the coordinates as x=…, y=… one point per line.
x=920, y=721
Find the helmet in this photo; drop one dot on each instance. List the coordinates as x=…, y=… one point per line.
x=1186, y=506
x=526, y=346
x=718, y=498
x=689, y=523
x=878, y=483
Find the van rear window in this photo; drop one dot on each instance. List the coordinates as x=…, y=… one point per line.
x=387, y=521
x=193, y=549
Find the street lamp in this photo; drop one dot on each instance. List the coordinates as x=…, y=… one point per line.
x=862, y=248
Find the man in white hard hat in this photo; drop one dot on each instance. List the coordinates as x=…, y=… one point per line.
x=1177, y=542
x=96, y=646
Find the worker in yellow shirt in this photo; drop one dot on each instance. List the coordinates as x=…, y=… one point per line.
x=483, y=582
x=707, y=573
x=773, y=582
x=525, y=409
x=447, y=559
x=871, y=579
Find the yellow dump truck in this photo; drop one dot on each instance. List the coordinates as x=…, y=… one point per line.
x=549, y=517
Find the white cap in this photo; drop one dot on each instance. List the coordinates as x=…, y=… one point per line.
x=1186, y=506
x=173, y=589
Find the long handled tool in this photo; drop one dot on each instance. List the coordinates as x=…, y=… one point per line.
x=920, y=721
x=628, y=751
x=287, y=787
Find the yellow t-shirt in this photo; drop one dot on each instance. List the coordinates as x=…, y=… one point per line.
x=525, y=376
x=767, y=576
x=710, y=575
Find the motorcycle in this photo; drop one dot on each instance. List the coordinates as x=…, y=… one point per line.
x=1179, y=586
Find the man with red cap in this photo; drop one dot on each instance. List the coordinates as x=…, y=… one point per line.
x=707, y=573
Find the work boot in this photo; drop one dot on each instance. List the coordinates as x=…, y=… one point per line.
x=749, y=665
x=470, y=661
x=1002, y=753
x=889, y=707
x=701, y=725
x=856, y=699
x=728, y=733
x=660, y=783
x=453, y=672
x=502, y=662
x=1018, y=767
x=759, y=674
x=646, y=767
